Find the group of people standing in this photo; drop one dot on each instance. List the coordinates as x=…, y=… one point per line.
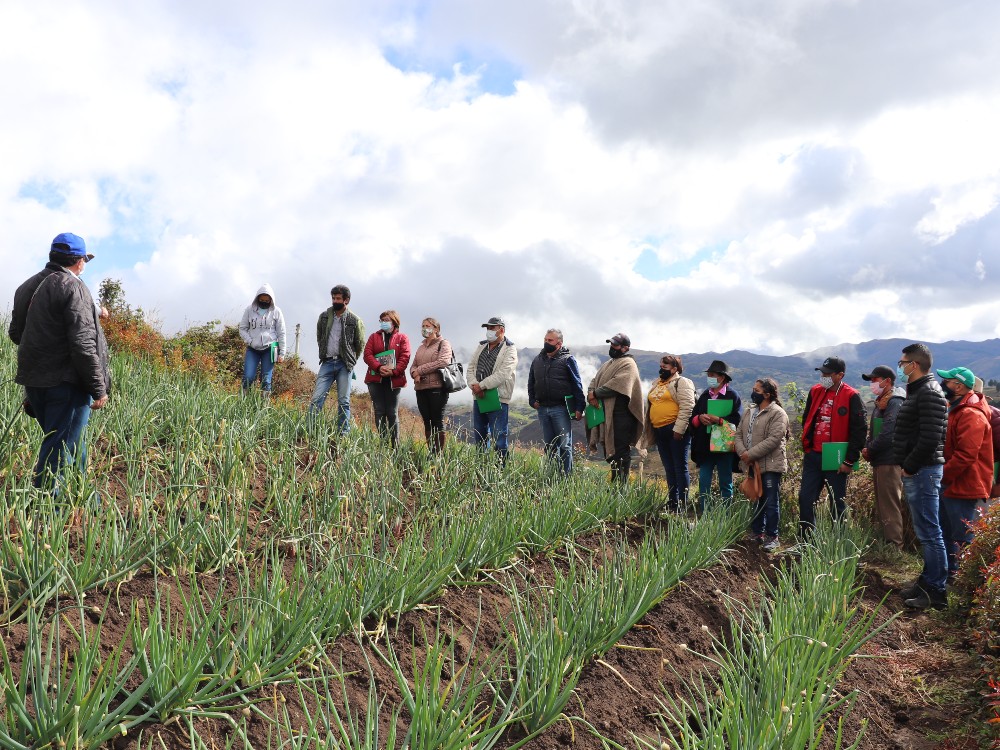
x=930, y=443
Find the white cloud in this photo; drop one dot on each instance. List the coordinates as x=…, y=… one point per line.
x=795, y=167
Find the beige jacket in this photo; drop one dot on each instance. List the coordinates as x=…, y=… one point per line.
x=770, y=432
x=682, y=391
x=504, y=370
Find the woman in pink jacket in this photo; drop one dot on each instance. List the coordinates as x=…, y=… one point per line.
x=387, y=353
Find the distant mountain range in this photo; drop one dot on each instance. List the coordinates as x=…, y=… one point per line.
x=982, y=357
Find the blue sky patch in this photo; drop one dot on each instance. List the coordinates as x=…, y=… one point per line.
x=44, y=192
x=651, y=267
x=497, y=75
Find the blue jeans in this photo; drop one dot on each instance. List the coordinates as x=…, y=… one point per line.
x=674, y=455
x=557, y=432
x=922, y=494
x=769, y=506
x=813, y=480
x=62, y=412
x=251, y=362
x=492, y=424
x=723, y=464
x=955, y=515
x=330, y=371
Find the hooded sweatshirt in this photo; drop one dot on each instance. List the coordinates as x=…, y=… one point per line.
x=259, y=327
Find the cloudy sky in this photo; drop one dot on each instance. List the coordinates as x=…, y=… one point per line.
x=771, y=175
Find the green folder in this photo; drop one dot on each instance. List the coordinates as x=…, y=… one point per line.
x=996, y=472
x=876, y=426
x=594, y=416
x=720, y=407
x=834, y=454
x=569, y=404
x=490, y=401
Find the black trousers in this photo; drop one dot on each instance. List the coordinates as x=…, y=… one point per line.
x=385, y=404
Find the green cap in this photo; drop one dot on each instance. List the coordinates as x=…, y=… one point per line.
x=962, y=374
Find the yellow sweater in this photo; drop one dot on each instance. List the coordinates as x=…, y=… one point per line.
x=662, y=407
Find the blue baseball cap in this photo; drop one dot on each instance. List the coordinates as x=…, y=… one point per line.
x=71, y=244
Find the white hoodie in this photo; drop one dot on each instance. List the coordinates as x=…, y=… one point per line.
x=259, y=328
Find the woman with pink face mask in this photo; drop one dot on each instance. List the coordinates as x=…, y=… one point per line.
x=887, y=475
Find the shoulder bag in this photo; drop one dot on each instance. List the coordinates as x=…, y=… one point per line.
x=453, y=375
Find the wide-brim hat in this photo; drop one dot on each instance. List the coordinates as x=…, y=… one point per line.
x=496, y=320
x=720, y=367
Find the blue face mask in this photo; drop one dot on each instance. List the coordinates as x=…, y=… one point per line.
x=385, y=325
x=712, y=382
x=900, y=375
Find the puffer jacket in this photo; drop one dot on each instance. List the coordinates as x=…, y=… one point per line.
x=918, y=441
x=767, y=443
x=880, y=446
x=261, y=328
x=377, y=343
x=968, y=450
x=62, y=340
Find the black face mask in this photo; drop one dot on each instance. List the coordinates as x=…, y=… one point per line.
x=263, y=305
x=666, y=374
x=338, y=306
x=548, y=348
x=757, y=398
x=948, y=392
x=615, y=353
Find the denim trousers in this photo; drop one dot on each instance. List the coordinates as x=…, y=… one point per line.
x=333, y=370
x=922, y=492
x=674, y=454
x=813, y=481
x=491, y=425
x=768, y=517
x=62, y=412
x=722, y=463
x=385, y=405
x=253, y=361
x=557, y=432
x=956, y=515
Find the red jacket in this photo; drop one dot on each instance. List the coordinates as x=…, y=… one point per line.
x=847, y=422
x=375, y=345
x=968, y=450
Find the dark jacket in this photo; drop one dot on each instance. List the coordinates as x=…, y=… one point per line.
x=552, y=379
x=880, y=446
x=700, y=449
x=352, y=340
x=62, y=340
x=22, y=298
x=920, y=426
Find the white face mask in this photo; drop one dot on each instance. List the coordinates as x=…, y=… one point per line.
x=491, y=336
x=426, y=332
x=826, y=381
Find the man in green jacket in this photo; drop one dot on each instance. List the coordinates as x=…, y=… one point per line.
x=340, y=335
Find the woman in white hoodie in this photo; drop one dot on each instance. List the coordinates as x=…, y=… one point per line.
x=262, y=329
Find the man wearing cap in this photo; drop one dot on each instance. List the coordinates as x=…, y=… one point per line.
x=493, y=366
x=62, y=356
x=555, y=390
x=887, y=475
x=617, y=388
x=918, y=446
x=834, y=413
x=703, y=421
x=968, y=461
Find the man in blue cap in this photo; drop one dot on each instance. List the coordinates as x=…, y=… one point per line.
x=62, y=356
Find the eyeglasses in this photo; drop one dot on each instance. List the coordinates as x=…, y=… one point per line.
x=904, y=362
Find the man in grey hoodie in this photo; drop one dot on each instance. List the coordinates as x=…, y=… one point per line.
x=262, y=329
x=887, y=475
